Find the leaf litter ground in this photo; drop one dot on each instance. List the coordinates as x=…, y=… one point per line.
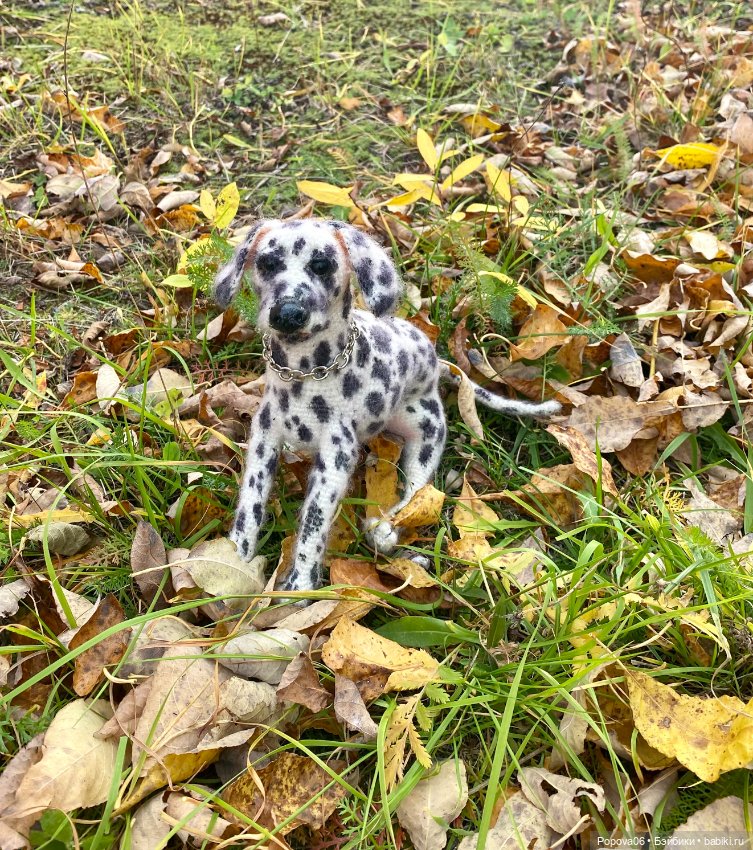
x=574, y=662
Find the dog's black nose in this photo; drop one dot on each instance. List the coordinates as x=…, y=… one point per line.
x=288, y=316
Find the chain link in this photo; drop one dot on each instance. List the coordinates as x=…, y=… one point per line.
x=318, y=373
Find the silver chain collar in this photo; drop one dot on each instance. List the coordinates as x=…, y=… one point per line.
x=318, y=373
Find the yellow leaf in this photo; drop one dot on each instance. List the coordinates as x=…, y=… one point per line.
x=499, y=182
x=691, y=155
x=527, y=296
x=466, y=167
x=471, y=514
x=521, y=205
x=406, y=198
x=326, y=193
x=447, y=154
x=60, y=515
x=423, y=509
x=487, y=209
x=357, y=652
x=707, y=735
x=228, y=202
x=411, y=181
x=426, y=149
x=207, y=204
x=178, y=281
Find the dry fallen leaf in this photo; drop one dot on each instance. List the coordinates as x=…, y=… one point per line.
x=75, y=770
x=432, y=804
x=357, y=652
x=290, y=782
x=707, y=735
x=424, y=508
x=262, y=655
x=583, y=457
x=88, y=667
x=300, y=684
x=217, y=568
x=562, y=806
x=148, y=561
x=520, y=824
x=351, y=710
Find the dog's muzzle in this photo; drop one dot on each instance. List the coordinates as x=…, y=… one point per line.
x=288, y=316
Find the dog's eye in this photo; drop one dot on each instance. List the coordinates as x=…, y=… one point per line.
x=321, y=266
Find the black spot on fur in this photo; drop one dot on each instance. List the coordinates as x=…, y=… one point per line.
x=304, y=434
x=320, y=408
x=342, y=460
x=431, y=405
x=260, y=450
x=278, y=353
x=374, y=403
x=375, y=427
x=305, y=364
x=351, y=385
x=296, y=420
x=240, y=521
x=365, y=279
x=347, y=433
x=322, y=354
x=313, y=522
x=426, y=452
x=363, y=349
x=410, y=408
x=319, y=464
x=271, y=468
x=299, y=245
x=381, y=372
x=428, y=428
x=336, y=440
x=258, y=513
x=251, y=480
x=381, y=339
x=284, y=400
x=270, y=263
x=265, y=417
x=296, y=388
x=402, y=362
x=245, y=548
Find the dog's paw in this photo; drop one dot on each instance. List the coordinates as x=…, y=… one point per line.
x=381, y=535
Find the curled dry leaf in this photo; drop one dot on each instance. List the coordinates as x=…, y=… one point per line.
x=262, y=655
x=583, y=457
x=716, y=521
x=562, y=807
x=301, y=685
x=424, y=508
x=541, y=332
x=290, y=782
x=358, y=653
x=707, y=735
x=148, y=561
x=89, y=666
x=351, y=710
x=626, y=367
x=11, y=595
x=432, y=804
x=520, y=824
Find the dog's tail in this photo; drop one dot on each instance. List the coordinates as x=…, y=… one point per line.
x=509, y=406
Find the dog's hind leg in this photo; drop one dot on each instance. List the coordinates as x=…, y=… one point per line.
x=421, y=423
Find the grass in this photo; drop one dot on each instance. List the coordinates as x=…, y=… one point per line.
x=627, y=583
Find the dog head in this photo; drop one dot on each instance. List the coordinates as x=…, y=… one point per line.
x=301, y=270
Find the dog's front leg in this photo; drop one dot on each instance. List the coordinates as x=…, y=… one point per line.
x=258, y=477
x=327, y=484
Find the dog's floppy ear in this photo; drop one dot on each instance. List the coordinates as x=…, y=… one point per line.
x=228, y=279
x=378, y=278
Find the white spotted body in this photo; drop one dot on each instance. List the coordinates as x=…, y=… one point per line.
x=301, y=274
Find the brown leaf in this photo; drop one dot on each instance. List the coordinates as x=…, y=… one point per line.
x=626, y=364
x=553, y=491
x=199, y=509
x=301, y=685
x=584, y=459
x=351, y=710
x=541, y=332
x=149, y=562
x=612, y=422
x=87, y=672
x=424, y=508
x=290, y=782
x=83, y=391
x=640, y=456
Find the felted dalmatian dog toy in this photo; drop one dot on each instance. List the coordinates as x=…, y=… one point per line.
x=336, y=376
